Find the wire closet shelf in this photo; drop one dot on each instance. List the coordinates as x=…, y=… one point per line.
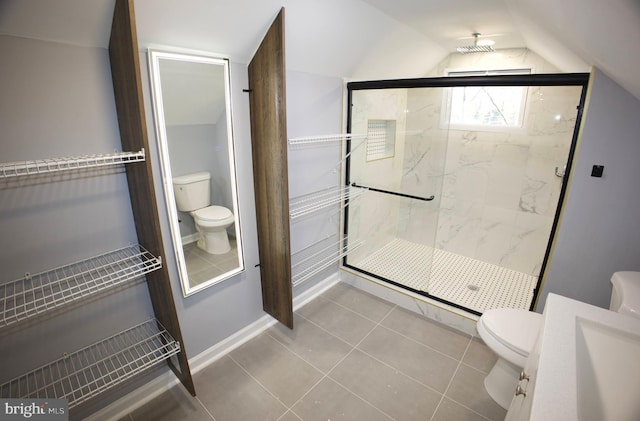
x=45, y=291
x=301, y=143
x=310, y=261
x=331, y=138
x=312, y=202
x=43, y=166
x=86, y=373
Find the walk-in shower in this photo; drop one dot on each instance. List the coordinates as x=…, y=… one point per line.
x=465, y=178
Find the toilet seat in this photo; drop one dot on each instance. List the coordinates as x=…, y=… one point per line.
x=212, y=214
x=213, y=217
x=510, y=333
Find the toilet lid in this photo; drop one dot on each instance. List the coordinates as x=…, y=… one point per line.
x=213, y=213
x=516, y=329
x=627, y=284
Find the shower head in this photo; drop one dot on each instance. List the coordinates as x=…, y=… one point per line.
x=475, y=48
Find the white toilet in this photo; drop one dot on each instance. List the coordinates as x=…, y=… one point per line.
x=193, y=195
x=511, y=334
x=625, y=294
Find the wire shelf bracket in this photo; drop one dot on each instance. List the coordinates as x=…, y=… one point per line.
x=36, y=294
x=313, y=202
x=43, y=166
x=314, y=259
x=88, y=372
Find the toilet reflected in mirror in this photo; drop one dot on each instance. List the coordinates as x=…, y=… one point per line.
x=195, y=140
x=193, y=195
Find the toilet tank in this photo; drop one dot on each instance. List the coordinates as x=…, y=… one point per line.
x=192, y=191
x=625, y=293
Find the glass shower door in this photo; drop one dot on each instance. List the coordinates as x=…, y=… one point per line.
x=401, y=165
x=464, y=178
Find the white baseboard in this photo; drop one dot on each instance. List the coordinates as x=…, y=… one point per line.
x=191, y=238
x=222, y=348
x=227, y=345
x=319, y=288
x=139, y=397
x=144, y=394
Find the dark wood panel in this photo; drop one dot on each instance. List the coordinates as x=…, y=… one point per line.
x=269, y=143
x=127, y=86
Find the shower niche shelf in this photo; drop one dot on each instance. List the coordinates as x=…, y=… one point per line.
x=87, y=372
x=45, y=166
x=313, y=259
x=37, y=294
x=313, y=202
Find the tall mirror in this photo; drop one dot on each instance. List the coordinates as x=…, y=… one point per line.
x=194, y=131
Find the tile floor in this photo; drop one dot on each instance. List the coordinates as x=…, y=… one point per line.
x=351, y=356
x=202, y=266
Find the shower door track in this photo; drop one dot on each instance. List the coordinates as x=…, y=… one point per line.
x=408, y=288
x=560, y=79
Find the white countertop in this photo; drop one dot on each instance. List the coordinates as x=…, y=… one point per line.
x=556, y=389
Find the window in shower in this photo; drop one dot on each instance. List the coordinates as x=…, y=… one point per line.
x=463, y=216
x=487, y=107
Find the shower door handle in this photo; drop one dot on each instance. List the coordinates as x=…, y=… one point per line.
x=410, y=196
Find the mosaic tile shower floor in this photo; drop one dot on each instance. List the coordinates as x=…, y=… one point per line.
x=468, y=282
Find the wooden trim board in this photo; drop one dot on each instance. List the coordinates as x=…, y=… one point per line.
x=127, y=87
x=267, y=91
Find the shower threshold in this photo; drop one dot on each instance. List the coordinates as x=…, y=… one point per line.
x=461, y=281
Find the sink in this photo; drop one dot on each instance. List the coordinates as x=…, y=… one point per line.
x=608, y=372
x=586, y=366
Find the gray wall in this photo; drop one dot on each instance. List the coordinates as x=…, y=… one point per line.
x=600, y=228
x=201, y=147
x=58, y=101
x=220, y=185
x=314, y=105
x=221, y=310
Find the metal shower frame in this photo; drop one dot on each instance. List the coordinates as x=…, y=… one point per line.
x=554, y=79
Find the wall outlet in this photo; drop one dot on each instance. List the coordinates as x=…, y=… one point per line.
x=597, y=170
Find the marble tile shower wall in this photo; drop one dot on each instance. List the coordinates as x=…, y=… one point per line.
x=423, y=165
x=495, y=192
x=374, y=216
x=500, y=191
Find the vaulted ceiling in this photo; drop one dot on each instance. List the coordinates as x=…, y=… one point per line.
x=358, y=39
